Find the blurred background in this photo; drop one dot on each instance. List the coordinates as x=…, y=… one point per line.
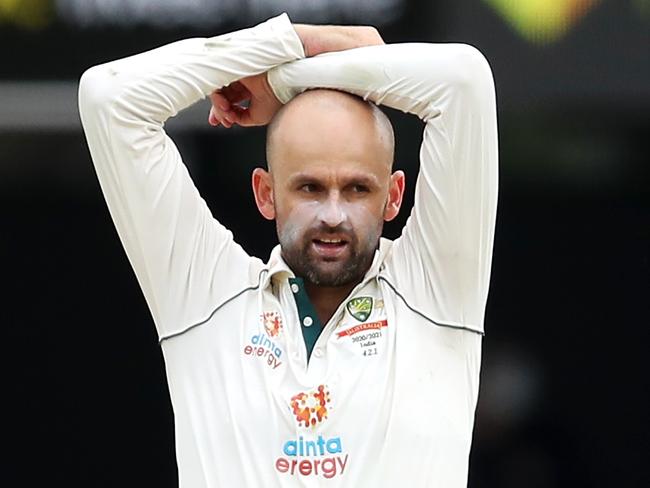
x=564, y=389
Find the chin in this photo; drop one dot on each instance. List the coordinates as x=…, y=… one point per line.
x=342, y=275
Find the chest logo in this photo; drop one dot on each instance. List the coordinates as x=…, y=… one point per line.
x=272, y=323
x=311, y=408
x=309, y=454
x=360, y=308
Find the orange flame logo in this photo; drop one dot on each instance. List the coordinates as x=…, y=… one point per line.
x=272, y=323
x=311, y=408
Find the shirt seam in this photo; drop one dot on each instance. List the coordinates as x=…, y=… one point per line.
x=215, y=310
x=421, y=314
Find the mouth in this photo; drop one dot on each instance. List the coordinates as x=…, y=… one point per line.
x=330, y=247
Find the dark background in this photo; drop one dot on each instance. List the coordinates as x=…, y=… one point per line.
x=564, y=383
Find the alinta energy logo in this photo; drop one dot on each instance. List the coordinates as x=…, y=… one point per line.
x=310, y=454
x=263, y=345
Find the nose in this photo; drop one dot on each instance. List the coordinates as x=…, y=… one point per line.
x=332, y=212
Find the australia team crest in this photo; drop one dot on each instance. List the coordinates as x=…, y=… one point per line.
x=360, y=308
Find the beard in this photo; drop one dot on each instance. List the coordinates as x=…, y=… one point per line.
x=298, y=252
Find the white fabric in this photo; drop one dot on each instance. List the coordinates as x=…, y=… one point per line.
x=388, y=397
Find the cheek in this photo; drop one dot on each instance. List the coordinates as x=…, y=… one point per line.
x=295, y=219
x=292, y=221
x=367, y=215
x=303, y=213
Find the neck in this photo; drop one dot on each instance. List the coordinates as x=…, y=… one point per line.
x=327, y=299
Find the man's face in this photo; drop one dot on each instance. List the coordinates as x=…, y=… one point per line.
x=329, y=217
x=331, y=179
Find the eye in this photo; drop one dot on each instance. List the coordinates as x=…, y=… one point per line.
x=360, y=189
x=309, y=188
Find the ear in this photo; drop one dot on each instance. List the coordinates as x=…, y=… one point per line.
x=395, y=195
x=263, y=190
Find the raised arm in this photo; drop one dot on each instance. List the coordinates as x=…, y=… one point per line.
x=185, y=261
x=442, y=260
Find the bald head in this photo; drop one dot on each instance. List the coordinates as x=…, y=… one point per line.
x=320, y=121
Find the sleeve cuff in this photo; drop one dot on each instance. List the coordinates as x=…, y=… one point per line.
x=293, y=42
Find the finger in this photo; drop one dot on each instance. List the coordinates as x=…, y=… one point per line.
x=228, y=119
x=219, y=101
x=241, y=116
x=221, y=110
x=245, y=118
x=212, y=118
x=217, y=117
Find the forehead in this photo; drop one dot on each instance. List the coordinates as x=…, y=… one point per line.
x=330, y=132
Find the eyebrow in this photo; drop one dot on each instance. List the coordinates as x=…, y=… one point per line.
x=367, y=180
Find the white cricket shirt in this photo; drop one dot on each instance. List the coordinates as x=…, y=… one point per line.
x=388, y=395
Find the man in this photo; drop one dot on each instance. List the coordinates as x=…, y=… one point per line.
x=346, y=360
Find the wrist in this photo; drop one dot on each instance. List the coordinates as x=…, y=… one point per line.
x=318, y=39
x=306, y=33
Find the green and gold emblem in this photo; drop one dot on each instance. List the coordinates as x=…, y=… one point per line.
x=360, y=308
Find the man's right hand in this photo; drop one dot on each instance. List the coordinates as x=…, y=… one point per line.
x=251, y=101
x=247, y=102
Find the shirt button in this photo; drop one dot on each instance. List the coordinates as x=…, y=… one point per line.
x=307, y=321
x=295, y=288
x=318, y=352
